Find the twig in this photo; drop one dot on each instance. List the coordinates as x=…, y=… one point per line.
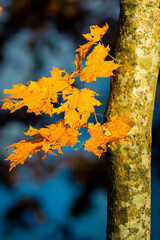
x=95, y=116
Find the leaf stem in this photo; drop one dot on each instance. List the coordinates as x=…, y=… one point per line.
x=102, y=42
x=95, y=116
x=101, y=115
x=113, y=57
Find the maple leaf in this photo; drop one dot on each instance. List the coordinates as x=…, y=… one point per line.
x=59, y=80
x=72, y=117
x=96, y=140
x=96, y=33
x=93, y=37
x=116, y=129
x=80, y=102
x=97, y=66
x=83, y=49
x=50, y=139
x=38, y=96
x=78, y=62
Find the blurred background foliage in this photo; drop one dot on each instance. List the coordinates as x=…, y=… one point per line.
x=63, y=197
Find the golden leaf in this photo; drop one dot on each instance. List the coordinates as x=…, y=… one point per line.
x=38, y=96
x=114, y=130
x=93, y=37
x=72, y=118
x=97, y=66
x=78, y=62
x=49, y=139
x=82, y=50
x=83, y=100
x=96, y=33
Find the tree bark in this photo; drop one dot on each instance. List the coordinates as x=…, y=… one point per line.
x=132, y=94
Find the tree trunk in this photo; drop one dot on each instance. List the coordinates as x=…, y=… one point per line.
x=132, y=94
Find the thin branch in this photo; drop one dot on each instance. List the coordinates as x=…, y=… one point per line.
x=101, y=115
x=95, y=116
x=102, y=42
x=113, y=57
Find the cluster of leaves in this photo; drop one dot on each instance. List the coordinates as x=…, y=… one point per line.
x=77, y=106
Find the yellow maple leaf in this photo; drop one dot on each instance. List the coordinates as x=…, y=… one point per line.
x=96, y=140
x=56, y=75
x=84, y=118
x=97, y=66
x=81, y=102
x=78, y=62
x=49, y=139
x=96, y=33
x=83, y=49
x=116, y=129
x=38, y=96
x=86, y=100
x=72, y=117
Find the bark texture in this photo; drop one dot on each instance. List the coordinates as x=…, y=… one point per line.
x=132, y=94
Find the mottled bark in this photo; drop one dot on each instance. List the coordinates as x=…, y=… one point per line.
x=132, y=94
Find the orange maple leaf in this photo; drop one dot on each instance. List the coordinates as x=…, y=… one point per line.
x=96, y=33
x=93, y=37
x=97, y=66
x=116, y=129
x=82, y=50
x=80, y=102
x=72, y=117
x=38, y=96
x=50, y=140
x=78, y=62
